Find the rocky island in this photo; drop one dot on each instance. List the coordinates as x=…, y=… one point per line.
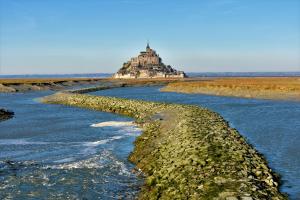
x=147, y=65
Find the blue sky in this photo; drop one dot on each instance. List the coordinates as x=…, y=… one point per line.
x=88, y=36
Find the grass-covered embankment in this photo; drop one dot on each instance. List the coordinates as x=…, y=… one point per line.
x=187, y=152
x=34, y=84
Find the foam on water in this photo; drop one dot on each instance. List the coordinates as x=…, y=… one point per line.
x=113, y=124
x=19, y=142
x=64, y=160
x=101, y=160
x=99, y=142
x=27, y=142
x=96, y=143
x=52, y=180
x=71, y=158
x=130, y=131
x=91, y=146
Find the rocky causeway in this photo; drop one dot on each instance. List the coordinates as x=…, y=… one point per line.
x=186, y=151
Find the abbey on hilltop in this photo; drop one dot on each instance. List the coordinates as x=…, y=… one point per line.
x=147, y=65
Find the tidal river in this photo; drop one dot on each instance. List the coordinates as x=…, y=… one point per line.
x=60, y=152
x=273, y=127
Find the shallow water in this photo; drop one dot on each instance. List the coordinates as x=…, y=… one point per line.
x=273, y=127
x=54, y=152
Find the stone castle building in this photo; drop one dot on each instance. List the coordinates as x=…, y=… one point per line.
x=147, y=65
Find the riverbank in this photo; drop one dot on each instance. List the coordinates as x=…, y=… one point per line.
x=187, y=151
x=23, y=85
x=5, y=114
x=282, y=88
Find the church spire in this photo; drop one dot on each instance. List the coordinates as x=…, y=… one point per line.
x=147, y=47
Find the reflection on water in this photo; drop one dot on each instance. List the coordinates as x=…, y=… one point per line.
x=54, y=152
x=273, y=127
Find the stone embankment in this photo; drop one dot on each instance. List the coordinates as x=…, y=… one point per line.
x=187, y=152
x=5, y=114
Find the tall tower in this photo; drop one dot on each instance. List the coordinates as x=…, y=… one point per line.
x=147, y=47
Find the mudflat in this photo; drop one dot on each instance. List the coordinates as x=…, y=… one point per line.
x=284, y=88
x=22, y=85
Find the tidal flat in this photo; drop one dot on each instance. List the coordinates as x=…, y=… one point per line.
x=12, y=85
x=282, y=88
x=187, y=151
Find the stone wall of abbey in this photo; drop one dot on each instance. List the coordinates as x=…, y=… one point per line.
x=147, y=64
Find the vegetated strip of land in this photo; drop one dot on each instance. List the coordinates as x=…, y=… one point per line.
x=285, y=88
x=116, y=83
x=187, y=152
x=23, y=85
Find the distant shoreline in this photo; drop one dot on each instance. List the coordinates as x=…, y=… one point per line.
x=33, y=84
x=190, y=74
x=276, y=88
x=58, y=84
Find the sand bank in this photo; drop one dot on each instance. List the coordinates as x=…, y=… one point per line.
x=283, y=88
x=23, y=85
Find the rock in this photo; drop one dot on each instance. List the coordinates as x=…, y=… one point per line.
x=246, y=198
x=4, y=88
x=200, y=187
x=232, y=198
x=5, y=114
x=258, y=173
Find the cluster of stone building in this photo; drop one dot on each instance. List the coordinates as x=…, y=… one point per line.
x=147, y=65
